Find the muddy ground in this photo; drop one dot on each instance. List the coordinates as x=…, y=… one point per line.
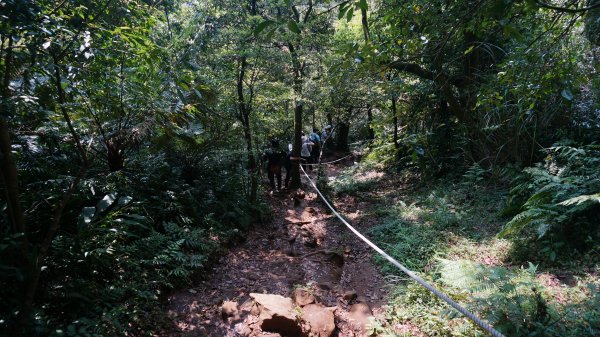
x=304, y=247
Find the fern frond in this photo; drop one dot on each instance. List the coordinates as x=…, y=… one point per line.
x=578, y=200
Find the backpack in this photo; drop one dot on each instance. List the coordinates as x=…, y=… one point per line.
x=275, y=157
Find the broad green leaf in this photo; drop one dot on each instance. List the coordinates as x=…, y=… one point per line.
x=581, y=199
x=531, y=4
x=498, y=7
x=124, y=200
x=511, y=31
x=469, y=50
x=106, y=202
x=342, y=12
x=261, y=26
x=87, y=213
x=270, y=34
x=350, y=14
x=293, y=26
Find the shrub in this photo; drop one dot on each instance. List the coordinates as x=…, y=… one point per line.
x=558, y=202
x=511, y=301
x=127, y=238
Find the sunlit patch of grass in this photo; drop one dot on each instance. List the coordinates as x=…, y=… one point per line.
x=492, y=252
x=451, y=226
x=355, y=180
x=442, y=219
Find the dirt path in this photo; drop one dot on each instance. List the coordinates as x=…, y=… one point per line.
x=303, y=248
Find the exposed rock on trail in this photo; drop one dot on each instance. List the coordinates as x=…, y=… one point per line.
x=302, y=275
x=276, y=314
x=319, y=320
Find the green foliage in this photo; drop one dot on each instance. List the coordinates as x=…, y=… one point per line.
x=558, y=201
x=475, y=175
x=415, y=234
x=352, y=181
x=118, y=278
x=514, y=302
x=382, y=155
x=509, y=301
x=408, y=242
x=126, y=120
x=433, y=229
x=131, y=236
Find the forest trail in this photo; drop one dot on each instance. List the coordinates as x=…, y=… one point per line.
x=304, y=251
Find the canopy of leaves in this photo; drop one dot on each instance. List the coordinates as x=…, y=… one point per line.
x=131, y=130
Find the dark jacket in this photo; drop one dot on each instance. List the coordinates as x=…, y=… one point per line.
x=274, y=157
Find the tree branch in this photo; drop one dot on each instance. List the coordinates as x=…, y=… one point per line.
x=416, y=69
x=61, y=102
x=567, y=10
x=333, y=7
x=308, y=11
x=296, y=13
x=34, y=278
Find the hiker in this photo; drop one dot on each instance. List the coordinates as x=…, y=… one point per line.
x=327, y=137
x=324, y=133
x=287, y=163
x=315, y=152
x=275, y=158
x=305, y=153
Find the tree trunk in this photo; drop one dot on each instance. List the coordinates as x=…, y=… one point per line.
x=295, y=182
x=61, y=101
x=244, y=117
x=341, y=137
x=365, y=25
x=367, y=35
x=395, y=117
x=252, y=169
x=9, y=172
x=34, y=273
x=114, y=156
x=329, y=119
x=8, y=168
x=9, y=177
x=297, y=147
x=43, y=249
x=370, y=131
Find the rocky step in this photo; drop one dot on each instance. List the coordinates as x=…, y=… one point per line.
x=274, y=315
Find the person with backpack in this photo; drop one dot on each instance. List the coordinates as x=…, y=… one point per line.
x=287, y=164
x=315, y=152
x=275, y=158
x=305, y=153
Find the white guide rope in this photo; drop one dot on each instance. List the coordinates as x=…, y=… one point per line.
x=329, y=162
x=484, y=325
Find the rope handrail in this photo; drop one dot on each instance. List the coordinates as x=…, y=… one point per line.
x=330, y=162
x=482, y=324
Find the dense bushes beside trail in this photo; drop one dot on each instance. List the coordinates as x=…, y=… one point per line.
x=556, y=204
x=511, y=300
x=129, y=237
x=517, y=246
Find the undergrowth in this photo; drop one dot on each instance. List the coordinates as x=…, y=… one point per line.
x=129, y=238
x=556, y=206
x=447, y=231
x=352, y=181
